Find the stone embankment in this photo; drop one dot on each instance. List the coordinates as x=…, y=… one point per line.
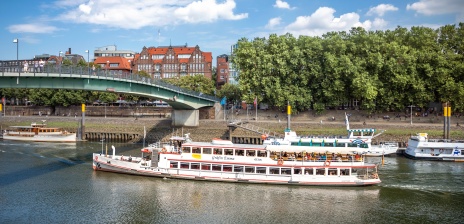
x=160, y=129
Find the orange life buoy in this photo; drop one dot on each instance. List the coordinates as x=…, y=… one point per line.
x=327, y=163
x=280, y=162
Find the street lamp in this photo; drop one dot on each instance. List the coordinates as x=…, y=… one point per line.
x=88, y=62
x=107, y=65
x=17, y=58
x=411, y=111
x=59, y=58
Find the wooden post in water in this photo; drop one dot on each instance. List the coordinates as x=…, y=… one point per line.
x=83, y=123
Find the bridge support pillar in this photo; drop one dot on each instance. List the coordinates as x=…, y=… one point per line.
x=185, y=118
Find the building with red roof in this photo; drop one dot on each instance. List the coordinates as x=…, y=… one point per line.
x=166, y=62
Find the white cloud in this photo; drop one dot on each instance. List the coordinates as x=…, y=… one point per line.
x=379, y=23
x=282, y=5
x=135, y=14
x=434, y=7
x=32, y=28
x=381, y=9
x=208, y=11
x=273, y=22
x=323, y=21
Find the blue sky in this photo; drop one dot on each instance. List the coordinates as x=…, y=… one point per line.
x=44, y=26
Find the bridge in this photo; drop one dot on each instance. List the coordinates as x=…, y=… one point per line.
x=185, y=103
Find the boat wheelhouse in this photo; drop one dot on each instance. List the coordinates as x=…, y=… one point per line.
x=421, y=147
x=228, y=162
x=38, y=133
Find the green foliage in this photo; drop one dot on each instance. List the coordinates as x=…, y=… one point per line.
x=198, y=83
x=382, y=70
x=143, y=74
x=230, y=91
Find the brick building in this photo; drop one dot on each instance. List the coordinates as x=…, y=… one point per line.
x=166, y=62
x=222, y=70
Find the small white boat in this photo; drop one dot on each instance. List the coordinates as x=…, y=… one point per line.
x=228, y=162
x=357, y=141
x=421, y=147
x=38, y=133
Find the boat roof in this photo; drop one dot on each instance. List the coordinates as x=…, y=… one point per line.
x=234, y=146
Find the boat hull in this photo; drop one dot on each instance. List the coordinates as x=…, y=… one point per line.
x=434, y=150
x=108, y=164
x=42, y=138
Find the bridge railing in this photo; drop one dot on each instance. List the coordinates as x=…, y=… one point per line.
x=82, y=72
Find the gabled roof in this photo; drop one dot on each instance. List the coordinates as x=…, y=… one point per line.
x=123, y=62
x=177, y=50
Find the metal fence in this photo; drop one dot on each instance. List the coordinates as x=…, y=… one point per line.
x=83, y=72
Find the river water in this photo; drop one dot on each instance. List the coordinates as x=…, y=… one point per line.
x=55, y=183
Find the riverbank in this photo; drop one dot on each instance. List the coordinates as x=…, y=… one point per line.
x=160, y=129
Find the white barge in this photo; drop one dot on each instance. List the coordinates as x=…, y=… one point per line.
x=38, y=133
x=421, y=147
x=221, y=160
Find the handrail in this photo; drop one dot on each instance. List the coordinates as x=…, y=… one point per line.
x=85, y=72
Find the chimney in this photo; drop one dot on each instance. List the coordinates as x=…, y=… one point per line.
x=69, y=50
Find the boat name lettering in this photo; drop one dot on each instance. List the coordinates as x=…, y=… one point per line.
x=258, y=159
x=222, y=158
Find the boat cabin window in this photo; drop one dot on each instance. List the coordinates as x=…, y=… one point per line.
x=195, y=166
x=186, y=149
x=332, y=172
x=249, y=169
x=239, y=152
x=205, y=166
x=320, y=171
x=354, y=145
x=227, y=168
x=345, y=172
x=251, y=153
x=216, y=167
x=228, y=152
x=184, y=165
x=274, y=170
x=297, y=171
x=218, y=151
x=260, y=169
x=286, y=171
x=174, y=164
x=261, y=153
x=238, y=168
x=196, y=150
x=206, y=150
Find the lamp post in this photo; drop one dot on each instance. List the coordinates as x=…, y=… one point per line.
x=88, y=62
x=107, y=65
x=410, y=107
x=17, y=58
x=59, y=57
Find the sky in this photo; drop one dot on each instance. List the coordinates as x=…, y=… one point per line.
x=48, y=27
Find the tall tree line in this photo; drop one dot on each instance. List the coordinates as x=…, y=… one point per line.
x=383, y=70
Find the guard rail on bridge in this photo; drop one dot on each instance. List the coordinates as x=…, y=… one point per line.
x=86, y=72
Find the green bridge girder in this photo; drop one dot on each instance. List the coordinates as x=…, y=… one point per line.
x=177, y=98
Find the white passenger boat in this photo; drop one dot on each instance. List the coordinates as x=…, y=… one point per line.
x=357, y=141
x=421, y=147
x=38, y=133
x=221, y=160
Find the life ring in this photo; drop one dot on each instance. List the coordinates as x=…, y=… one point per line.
x=96, y=158
x=280, y=162
x=327, y=163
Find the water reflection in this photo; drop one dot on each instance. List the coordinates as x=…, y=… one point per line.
x=55, y=183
